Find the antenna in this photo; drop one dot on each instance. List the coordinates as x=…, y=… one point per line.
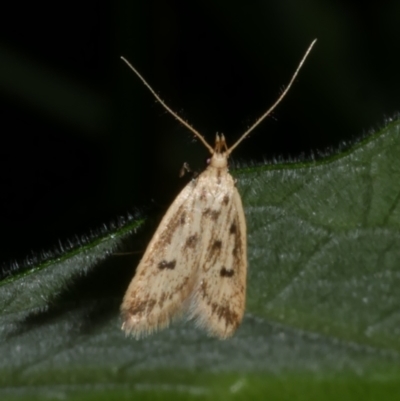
x=280, y=98
x=181, y=120
x=258, y=121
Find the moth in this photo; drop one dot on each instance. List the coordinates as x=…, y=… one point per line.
x=196, y=262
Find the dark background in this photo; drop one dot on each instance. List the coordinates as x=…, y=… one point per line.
x=83, y=141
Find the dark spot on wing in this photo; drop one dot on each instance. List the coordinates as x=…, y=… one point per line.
x=233, y=228
x=237, y=249
x=216, y=246
x=162, y=299
x=191, y=241
x=167, y=265
x=212, y=214
x=183, y=218
x=223, y=312
x=226, y=272
x=225, y=199
x=139, y=307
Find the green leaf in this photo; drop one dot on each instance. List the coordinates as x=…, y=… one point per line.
x=323, y=303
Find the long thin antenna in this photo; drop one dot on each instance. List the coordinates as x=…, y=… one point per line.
x=277, y=101
x=181, y=120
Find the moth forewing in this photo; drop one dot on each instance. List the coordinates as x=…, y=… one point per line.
x=218, y=302
x=163, y=279
x=196, y=262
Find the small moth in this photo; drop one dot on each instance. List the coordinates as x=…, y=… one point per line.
x=196, y=262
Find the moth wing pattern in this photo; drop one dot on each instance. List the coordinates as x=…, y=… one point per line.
x=195, y=263
x=165, y=276
x=218, y=301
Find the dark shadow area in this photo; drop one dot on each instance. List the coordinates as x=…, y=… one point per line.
x=92, y=299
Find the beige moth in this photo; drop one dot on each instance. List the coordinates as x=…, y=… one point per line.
x=196, y=262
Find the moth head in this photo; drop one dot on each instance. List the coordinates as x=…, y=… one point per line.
x=220, y=154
